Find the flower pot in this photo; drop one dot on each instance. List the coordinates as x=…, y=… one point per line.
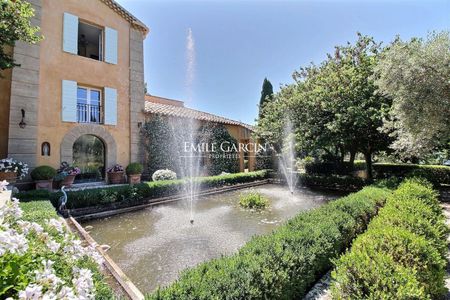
x=44, y=185
x=115, y=177
x=68, y=180
x=11, y=177
x=134, y=178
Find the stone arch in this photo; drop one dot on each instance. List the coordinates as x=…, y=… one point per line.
x=73, y=134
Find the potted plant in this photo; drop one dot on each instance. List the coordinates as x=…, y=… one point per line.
x=11, y=170
x=115, y=174
x=43, y=177
x=66, y=174
x=134, y=171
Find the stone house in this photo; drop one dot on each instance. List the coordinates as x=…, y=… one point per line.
x=77, y=96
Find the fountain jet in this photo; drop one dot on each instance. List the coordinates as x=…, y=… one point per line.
x=287, y=158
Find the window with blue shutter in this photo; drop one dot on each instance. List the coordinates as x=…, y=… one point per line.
x=111, y=45
x=69, y=101
x=70, y=33
x=110, y=106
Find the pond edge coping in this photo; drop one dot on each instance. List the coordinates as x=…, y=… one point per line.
x=157, y=201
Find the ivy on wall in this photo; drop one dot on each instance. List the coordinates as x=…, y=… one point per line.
x=165, y=140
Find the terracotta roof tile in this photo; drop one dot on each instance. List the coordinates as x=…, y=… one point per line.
x=184, y=112
x=126, y=15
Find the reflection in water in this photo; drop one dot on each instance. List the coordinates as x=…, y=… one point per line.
x=153, y=245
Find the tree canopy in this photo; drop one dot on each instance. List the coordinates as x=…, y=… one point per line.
x=15, y=25
x=266, y=94
x=416, y=75
x=333, y=106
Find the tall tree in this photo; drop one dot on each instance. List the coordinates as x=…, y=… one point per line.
x=266, y=94
x=15, y=25
x=334, y=106
x=416, y=75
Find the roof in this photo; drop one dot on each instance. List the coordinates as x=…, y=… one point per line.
x=184, y=112
x=127, y=15
x=162, y=100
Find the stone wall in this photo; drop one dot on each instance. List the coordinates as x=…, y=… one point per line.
x=22, y=142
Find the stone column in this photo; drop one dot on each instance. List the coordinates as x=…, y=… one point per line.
x=137, y=97
x=22, y=142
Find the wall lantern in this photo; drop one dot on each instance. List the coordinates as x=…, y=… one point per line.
x=22, y=123
x=45, y=149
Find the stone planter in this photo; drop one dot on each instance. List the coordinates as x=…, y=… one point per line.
x=11, y=177
x=134, y=178
x=115, y=177
x=44, y=185
x=67, y=181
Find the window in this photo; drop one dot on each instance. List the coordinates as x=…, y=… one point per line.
x=89, y=105
x=90, y=41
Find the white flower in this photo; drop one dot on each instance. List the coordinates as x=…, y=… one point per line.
x=83, y=283
x=58, y=225
x=66, y=293
x=32, y=292
x=53, y=246
x=11, y=241
x=3, y=185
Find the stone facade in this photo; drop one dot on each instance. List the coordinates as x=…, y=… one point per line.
x=36, y=86
x=24, y=95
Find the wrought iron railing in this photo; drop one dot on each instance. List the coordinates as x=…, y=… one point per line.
x=87, y=113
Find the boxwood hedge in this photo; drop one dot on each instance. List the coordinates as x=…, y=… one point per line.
x=285, y=263
x=402, y=254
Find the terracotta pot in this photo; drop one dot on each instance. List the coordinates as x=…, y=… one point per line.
x=11, y=177
x=68, y=180
x=44, y=185
x=134, y=178
x=115, y=177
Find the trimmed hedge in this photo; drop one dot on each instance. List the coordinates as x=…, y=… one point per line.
x=402, y=254
x=437, y=175
x=343, y=183
x=138, y=193
x=285, y=263
x=32, y=195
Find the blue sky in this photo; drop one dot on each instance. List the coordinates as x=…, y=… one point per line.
x=238, y=43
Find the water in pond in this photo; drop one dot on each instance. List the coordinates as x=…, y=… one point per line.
x=153, y=245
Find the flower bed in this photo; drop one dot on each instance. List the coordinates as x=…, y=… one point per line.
x=286, y=263
x=41, y=259
x=139, y=193
x=402, y=254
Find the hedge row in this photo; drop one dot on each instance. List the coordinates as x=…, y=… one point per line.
x=333, y=182
x=402, y=254
x=285, y=263
x=437, y=175
x=136, y=194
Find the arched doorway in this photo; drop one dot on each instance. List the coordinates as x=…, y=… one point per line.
x=89, y=155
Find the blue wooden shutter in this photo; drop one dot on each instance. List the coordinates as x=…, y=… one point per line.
x=110, y=106
x=70, y=35
x=111, y=45
x=69, y=101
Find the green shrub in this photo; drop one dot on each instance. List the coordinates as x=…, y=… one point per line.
x=134, y=168
x=38, y=211
x=139, y=193
x=43, y=173
x=402, y=254
x=437, y=175
x=33, y=195
x=285, y=263
x=253, y=200
x=166, y=174
x=333, y=182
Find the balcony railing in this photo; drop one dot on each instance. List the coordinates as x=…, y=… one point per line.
x=87, y=113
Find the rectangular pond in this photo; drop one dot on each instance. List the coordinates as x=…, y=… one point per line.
x=153, y=245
